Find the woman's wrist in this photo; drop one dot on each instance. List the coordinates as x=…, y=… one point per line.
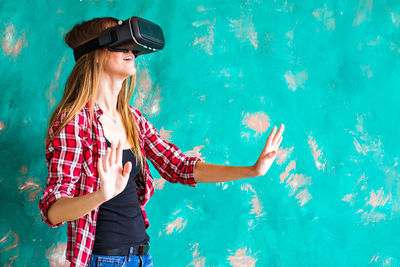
x=99, y=196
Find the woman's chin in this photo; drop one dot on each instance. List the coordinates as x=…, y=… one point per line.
x=131, y=73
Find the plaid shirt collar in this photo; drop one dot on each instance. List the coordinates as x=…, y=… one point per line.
x=96, y=109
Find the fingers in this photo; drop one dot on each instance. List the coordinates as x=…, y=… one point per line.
x=118, y=158
x=106, y=160
x=270, y=137
x=279, y=143
x=278, y=135
x=112, y=154
x=273, y=139
x=100, y=166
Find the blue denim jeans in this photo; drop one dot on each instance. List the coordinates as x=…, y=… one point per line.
x=121, y=261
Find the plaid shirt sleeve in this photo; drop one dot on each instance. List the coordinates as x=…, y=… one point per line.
x=64, y=160
x=167, y=158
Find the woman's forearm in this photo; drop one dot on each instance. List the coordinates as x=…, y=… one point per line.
x=213, y=173
x=69, y=209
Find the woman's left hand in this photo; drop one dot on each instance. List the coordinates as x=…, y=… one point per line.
x=268, y=154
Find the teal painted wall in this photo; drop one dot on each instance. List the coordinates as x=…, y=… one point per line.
x=230, y=71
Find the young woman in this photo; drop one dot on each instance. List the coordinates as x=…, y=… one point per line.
x=98, y=179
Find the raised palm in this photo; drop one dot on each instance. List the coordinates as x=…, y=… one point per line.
x=268, y=154
x=112, y=177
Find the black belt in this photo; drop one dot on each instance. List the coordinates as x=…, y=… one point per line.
x=136, y=250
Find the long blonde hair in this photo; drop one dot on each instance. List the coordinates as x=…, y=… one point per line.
x=83, y=82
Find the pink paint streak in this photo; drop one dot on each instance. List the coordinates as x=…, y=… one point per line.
x=297, y=181
x=244, y=29
x=317, y=154
x=349, y=198
x=31, y=185
x=166, y=134
x=159, y=183
x=4, y=239
x=11, y=43
x=24, y=170
x=177, y=225
x=144, y=88
x=378, y=198
x=255, y=201
x=2, y=126
x=326, y=16
x=195, y=152
x=198, y=261
x=363, y=12
x=240, y=258
x=282, y=154
x=56, y=255
x=295, y=81
x=54, y=85
x=259, y=122
x=367, y=143
x=303, y=196
x=291, y=166
x=206, y=42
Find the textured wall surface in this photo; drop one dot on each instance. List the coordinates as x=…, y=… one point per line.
x=230, y=71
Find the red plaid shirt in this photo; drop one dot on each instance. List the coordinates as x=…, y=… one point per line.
x=72, y=162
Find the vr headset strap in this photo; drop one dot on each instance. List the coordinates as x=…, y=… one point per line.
x=86, y=48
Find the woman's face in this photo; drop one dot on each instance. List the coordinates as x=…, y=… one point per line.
x=117, y=64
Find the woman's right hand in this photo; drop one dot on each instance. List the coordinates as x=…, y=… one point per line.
x=112, y=177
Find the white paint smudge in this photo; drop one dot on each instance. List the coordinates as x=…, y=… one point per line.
x=366, y=71
x=317, y=154
x=199, y=23
x=363, y=12
x=374, y=42
x=326, y=16
x=349, y=198
x=395, y=18
x=371, y=216
x=159, y=183
x=11, y=43
x=255, y=202
x=297, y=80
x=282, y=154
x=56, y=255
x=198, y=261
x=367, y=143
x=378, y=198
x=298, y=183
x=258, y=121
x=384, y=260
x=240, y=258
x=244, y=29
x=206, y=42
x=176, y=225
x=303, y=196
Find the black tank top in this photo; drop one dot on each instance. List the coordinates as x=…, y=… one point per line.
x=120, y=223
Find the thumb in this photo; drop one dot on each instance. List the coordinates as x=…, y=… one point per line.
x=127, y=169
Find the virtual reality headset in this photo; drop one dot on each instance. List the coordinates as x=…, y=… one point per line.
x=134, y=34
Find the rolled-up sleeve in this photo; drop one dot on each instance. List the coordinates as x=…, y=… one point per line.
x=167, y=158
x=64, y=161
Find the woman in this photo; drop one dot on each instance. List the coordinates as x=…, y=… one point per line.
x=97, y=163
